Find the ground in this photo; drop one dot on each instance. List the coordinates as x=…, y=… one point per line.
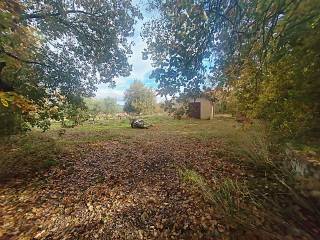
x=108, y=181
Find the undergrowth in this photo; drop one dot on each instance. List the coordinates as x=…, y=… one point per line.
x=24, y=155
x=271, y=184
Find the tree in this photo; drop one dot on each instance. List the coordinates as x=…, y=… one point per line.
x=15, y=108
x=94, y=107
x=74, y=115
x=109, y=105
x=139, y=99
x=241, y=44
x=172, y=44
x=56, y=51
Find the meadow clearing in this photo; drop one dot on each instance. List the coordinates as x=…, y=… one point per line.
x=179, y=179
x=76, y=164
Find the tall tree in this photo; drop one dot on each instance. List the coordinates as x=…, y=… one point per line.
x=109, y=105
x=57, y=49
x=139, y=99
x=241, y=44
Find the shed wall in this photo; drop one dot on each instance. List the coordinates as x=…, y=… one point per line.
x=206, y=108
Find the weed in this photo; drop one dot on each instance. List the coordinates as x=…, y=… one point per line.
x=228, y=196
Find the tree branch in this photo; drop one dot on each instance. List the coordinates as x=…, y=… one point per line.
x=44, y=15
x=24, y=60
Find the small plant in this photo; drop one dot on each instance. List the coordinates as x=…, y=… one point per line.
x=179, y=112
x=197, y=180
x=228, y=195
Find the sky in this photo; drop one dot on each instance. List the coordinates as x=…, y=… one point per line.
x=141, y=69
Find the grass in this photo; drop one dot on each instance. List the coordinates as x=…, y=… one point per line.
x=272, y=186
x=239, y=201
x=226, y=195
x=34, y=151
x=232, y=199
x=24, y=155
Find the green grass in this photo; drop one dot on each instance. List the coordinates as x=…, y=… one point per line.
x=231, y=199
x=226, y=195
x=220, y=126
x=223, y=129
x=24, y=155
x=251, y=147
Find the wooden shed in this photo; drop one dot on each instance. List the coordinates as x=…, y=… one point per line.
x=201, y=108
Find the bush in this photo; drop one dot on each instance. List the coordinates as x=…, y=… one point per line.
x=11, y=122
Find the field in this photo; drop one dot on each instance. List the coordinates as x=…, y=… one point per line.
x=179, y=179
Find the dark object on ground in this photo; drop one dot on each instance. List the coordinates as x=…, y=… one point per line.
x=139, y=123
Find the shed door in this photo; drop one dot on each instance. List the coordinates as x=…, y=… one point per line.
x=194, y=109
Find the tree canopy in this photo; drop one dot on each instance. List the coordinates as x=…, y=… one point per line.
x=54, y=52
x=106, y=105
x=265, y=51
x=139, y=99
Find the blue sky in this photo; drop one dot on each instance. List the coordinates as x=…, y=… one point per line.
x=141, y=69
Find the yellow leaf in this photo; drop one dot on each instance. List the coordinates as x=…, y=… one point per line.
x=4, y=102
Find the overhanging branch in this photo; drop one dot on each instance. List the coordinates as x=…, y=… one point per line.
x=45, y=15
x=23, y=60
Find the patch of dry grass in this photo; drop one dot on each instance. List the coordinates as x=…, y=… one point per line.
x=24, y=155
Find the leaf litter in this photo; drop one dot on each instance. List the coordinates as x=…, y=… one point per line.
x=122, y=190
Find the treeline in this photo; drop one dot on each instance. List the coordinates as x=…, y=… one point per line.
x=138, y=99
x=91, y=110
x=265, y=53
x=105, y=105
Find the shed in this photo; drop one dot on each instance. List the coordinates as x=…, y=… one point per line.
x=201, y=108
